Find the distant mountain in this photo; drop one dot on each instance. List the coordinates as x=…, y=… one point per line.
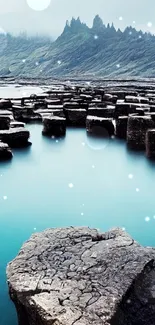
x=80, y=51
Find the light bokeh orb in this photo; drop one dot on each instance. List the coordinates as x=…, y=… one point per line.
x=38, y=5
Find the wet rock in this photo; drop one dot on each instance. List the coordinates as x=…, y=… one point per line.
x=4, y=122
x=50, y=112
x=15, y=137
x=5, y=151
x=54, y=125
x=5, y=104
x=121, y=127
x=76, y=117
x=7, y=114
x=71, y=105
x=121, y=94
x=81, y=276
x=53, y=102
x=140, y=111
x=100, y=126
x=17, y=125
x=136, y=99
x=25, y=114
x=150, y=143
x=124, y=109
x=136, y=131
x=108, y=111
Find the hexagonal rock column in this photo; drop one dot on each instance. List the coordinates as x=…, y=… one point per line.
x=123, y=109
x=79, y=276
x=4, y=123
x=5, y=152
x=108, y=111
x=99, y=126
x=136, y=131
x=121, y=127
x=150, y=143
x=76, y=117
x=15, y=137
x=54, y=125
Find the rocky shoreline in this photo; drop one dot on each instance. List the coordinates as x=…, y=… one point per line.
x=81, y=276
x=123, y=109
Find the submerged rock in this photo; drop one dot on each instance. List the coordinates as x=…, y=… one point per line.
x=80, y=276
x=54, y=125
x=15, y=137
x=5, y=151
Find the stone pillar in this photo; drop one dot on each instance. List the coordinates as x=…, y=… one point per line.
x=54, y=125
x=150, y=143
x=121, y=127
x=136, y=131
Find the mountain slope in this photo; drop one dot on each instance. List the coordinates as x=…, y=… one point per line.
x=97, y=51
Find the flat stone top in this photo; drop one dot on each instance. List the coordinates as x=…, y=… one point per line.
x=47, y=110
x=14, y=131
x=76, y=275
x=55, y=106
x=101, y=108
x=96, y=118
x=76, y=110
x=54, y=118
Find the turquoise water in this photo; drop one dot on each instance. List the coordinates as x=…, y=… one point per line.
x=74, y=181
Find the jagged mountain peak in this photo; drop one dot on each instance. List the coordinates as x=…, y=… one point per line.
x=80, y=50
x=97, y=23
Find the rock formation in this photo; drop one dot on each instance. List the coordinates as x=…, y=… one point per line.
x=136, y=131
x=121, y=127
x=15, y=137
x=80, y=276
x=5, y=152
x=150, y=143
x=99, y=126
x=54, y=125
x=4, y=122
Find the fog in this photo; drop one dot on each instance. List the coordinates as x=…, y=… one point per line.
x=49, y=16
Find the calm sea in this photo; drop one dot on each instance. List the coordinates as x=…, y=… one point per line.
x=72, y=181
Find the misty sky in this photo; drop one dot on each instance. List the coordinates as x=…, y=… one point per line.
x=17, y=15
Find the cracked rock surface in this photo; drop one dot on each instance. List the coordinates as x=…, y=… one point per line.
x=80, y=276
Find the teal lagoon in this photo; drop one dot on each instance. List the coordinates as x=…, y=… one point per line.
x=76, y=181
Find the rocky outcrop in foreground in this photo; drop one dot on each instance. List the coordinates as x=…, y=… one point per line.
x=79, y=276
x=5, y=151
x=15, y=137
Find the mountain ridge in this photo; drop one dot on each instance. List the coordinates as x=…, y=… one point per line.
x=101, y=50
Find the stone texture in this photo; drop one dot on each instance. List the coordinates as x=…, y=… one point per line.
x=54, y=125
x=4, y=123
x=17, y=125
x=80, y=276
x=76, y=117
x=5, y=151
x=150, y=143
x=108, y=111
x=99, y=126
x=121, y=127
x=15, y=137
x=136, y=131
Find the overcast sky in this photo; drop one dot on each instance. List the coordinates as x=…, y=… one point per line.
x=49, y=16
